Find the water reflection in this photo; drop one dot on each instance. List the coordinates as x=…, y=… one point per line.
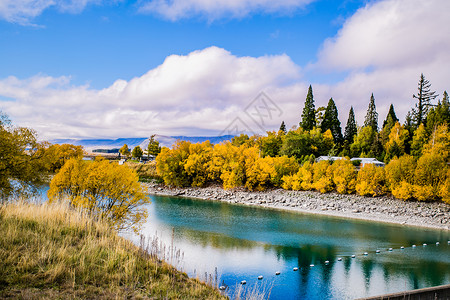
x=244, y=242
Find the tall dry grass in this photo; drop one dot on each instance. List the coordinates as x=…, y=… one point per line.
x=54, y=251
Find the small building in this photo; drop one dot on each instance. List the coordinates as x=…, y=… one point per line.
x=366, y=160
x=329, y=158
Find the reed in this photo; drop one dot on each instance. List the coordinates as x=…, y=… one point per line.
x=54, y=251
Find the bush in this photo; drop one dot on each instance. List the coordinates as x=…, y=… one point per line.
x=322, y=177
x=344, y=176
x=370, y=181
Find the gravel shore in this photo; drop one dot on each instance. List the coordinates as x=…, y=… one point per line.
x=380, y=209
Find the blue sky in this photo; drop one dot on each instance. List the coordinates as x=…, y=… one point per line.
x=97, y=68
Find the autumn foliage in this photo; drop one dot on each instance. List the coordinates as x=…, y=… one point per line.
x=242, y=163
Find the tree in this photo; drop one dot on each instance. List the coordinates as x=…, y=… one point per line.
x=344, y=176
x=419, y=139
x=400, y=176
x=390, y=116
x=371, y=118
x=137, y=152
x=396, y=144
x=438, y=115
x=370, y=181
x=124, y=150
x=424, y=97
x=283, y=127
x=350, y=129
x=331, y=122
x=153, y=147
x=270, y=145
x=55, y=156
x=320, y=111
x=22, y=167
x=309, y=112
x=363, y=141
x=104, y=190
x=388, y=123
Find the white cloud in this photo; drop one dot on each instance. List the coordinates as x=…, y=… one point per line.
x=385, y=46
x=215, y=9
x=198, y=93
x=23, y=11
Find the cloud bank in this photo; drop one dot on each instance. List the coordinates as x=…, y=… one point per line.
x=216, y=9
x=198, y=93
x=382, y=48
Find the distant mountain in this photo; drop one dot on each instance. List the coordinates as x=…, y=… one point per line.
x=165, y=141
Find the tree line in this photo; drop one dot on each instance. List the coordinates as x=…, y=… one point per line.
x=416, y=153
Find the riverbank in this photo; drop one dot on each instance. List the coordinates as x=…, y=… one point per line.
x=381, y=209
x=53, y=251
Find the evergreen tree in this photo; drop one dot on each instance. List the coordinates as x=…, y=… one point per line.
x=282, y=127
x=350, y=129
x=309, y=112
x=331, y=121
x=388, y=124
x=153, y=147
x=424, y=97
x=372, y=115
x=391, y=115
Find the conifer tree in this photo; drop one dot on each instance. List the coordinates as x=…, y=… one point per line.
x=424, y=97
x=309, y=112
x=391, y=115
x=282, y=127
x=372, y=115
x=388, y=124
x=350, y=129
x=331, y=121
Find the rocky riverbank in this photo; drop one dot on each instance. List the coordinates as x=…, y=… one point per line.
x=381, y=209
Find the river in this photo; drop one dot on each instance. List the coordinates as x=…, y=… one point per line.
x=243, y=242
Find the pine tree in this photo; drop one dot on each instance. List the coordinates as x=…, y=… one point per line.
x=424, y=97
x=372, y=115
x=388, y=124
x=331, y=121
x=282, y=127
x=309, y=112
x=350, y=129
x=391, y=115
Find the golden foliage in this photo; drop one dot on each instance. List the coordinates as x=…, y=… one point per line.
x=439, y=143
x=403, y=190
x=400, y=169
x=105, y=190
x=322, y=176
x=444, y=191
x=370, y=181
x=344, y=176
x=430, y=173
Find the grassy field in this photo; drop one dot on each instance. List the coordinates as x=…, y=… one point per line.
x=52, y=251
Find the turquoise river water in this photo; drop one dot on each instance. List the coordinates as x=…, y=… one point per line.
x=242, y=243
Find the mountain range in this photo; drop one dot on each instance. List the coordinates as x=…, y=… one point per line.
x=164, y=141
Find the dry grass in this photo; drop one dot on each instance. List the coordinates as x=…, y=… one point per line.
x=52, y=251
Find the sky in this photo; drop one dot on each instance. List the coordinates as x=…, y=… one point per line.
x=118, y=68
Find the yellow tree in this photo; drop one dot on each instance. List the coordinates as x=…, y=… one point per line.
x=400, y=176
x=429, y=175
x=21, y=159
x=196, y=164
x=370, y=181
x=396, y=143
x=344, y=176
x=170, y=164
x=103, y=189
x=322, y=176
x=444, y=191
x=439, y=143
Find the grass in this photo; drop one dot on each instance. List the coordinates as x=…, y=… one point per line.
x=146, y=172
x=53, y=251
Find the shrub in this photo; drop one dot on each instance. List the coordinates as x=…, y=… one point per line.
x=322, y=177
x=344, y=176
x=370, y=181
